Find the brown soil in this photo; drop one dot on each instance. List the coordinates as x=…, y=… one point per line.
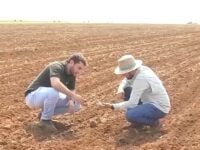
x=172, y=51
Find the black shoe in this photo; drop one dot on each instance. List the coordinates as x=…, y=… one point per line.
x=47, y=125
x=134, y=126
x=138, y=126
x=39, y=115
x=157, y=126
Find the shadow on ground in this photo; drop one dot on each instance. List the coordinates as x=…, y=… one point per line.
x=41, y=134
x=134, y=137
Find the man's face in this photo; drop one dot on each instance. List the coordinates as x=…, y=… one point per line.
x=76, y=69
x=129, y=75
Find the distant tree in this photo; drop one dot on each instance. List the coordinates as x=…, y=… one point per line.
x=191, y=22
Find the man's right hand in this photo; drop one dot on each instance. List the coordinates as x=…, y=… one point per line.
x=77, y=97
x=120, y=95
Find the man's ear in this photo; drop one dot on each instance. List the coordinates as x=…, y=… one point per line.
x=71, y=62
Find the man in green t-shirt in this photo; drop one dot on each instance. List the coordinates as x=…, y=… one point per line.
x=53, y=90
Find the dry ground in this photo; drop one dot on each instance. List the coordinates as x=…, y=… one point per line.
x=172, y=51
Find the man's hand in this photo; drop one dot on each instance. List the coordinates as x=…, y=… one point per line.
x=105, y=105
x=77, y=97
x=71, y=109
x=120, y=95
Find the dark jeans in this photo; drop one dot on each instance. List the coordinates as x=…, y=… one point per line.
x=144, y=114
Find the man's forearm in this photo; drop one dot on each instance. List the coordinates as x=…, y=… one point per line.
x=63, y=89
x=121, y=86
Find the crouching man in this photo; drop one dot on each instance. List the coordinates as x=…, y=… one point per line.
x=53, y=90
x=145, y=98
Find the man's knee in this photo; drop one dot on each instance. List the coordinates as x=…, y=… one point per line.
x=53, y=94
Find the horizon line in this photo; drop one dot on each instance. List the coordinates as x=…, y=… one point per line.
x=85, y=22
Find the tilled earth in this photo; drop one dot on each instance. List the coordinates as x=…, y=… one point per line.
x=172, y=51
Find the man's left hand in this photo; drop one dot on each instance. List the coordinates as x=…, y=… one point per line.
x=105, y=105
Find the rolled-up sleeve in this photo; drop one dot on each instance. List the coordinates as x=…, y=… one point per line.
x=138, y=87
x=55, y=70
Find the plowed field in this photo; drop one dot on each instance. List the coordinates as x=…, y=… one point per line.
x=172, y=51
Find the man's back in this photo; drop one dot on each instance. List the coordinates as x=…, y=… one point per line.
x=156, y=92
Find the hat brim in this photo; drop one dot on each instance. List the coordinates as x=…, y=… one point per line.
x=119, y=71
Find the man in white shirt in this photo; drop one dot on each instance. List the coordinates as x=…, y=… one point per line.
x=145, y=98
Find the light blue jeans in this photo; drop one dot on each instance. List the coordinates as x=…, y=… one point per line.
x=50, y=101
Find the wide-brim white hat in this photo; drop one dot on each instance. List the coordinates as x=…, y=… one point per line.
x=126, y=64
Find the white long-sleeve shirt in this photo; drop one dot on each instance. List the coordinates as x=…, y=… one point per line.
x=147, y=87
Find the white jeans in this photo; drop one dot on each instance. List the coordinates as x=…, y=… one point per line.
x=50, y=101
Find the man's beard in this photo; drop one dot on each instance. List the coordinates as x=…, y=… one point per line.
x=130, y=76
x=71, y=71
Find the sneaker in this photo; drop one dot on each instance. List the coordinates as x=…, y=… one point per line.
x=47, y=125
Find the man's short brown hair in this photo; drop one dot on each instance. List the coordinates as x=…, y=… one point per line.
x=77, y=58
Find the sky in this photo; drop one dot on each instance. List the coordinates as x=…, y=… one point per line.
x=102, y=11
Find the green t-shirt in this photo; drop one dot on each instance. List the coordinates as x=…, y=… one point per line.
x=55, y=69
